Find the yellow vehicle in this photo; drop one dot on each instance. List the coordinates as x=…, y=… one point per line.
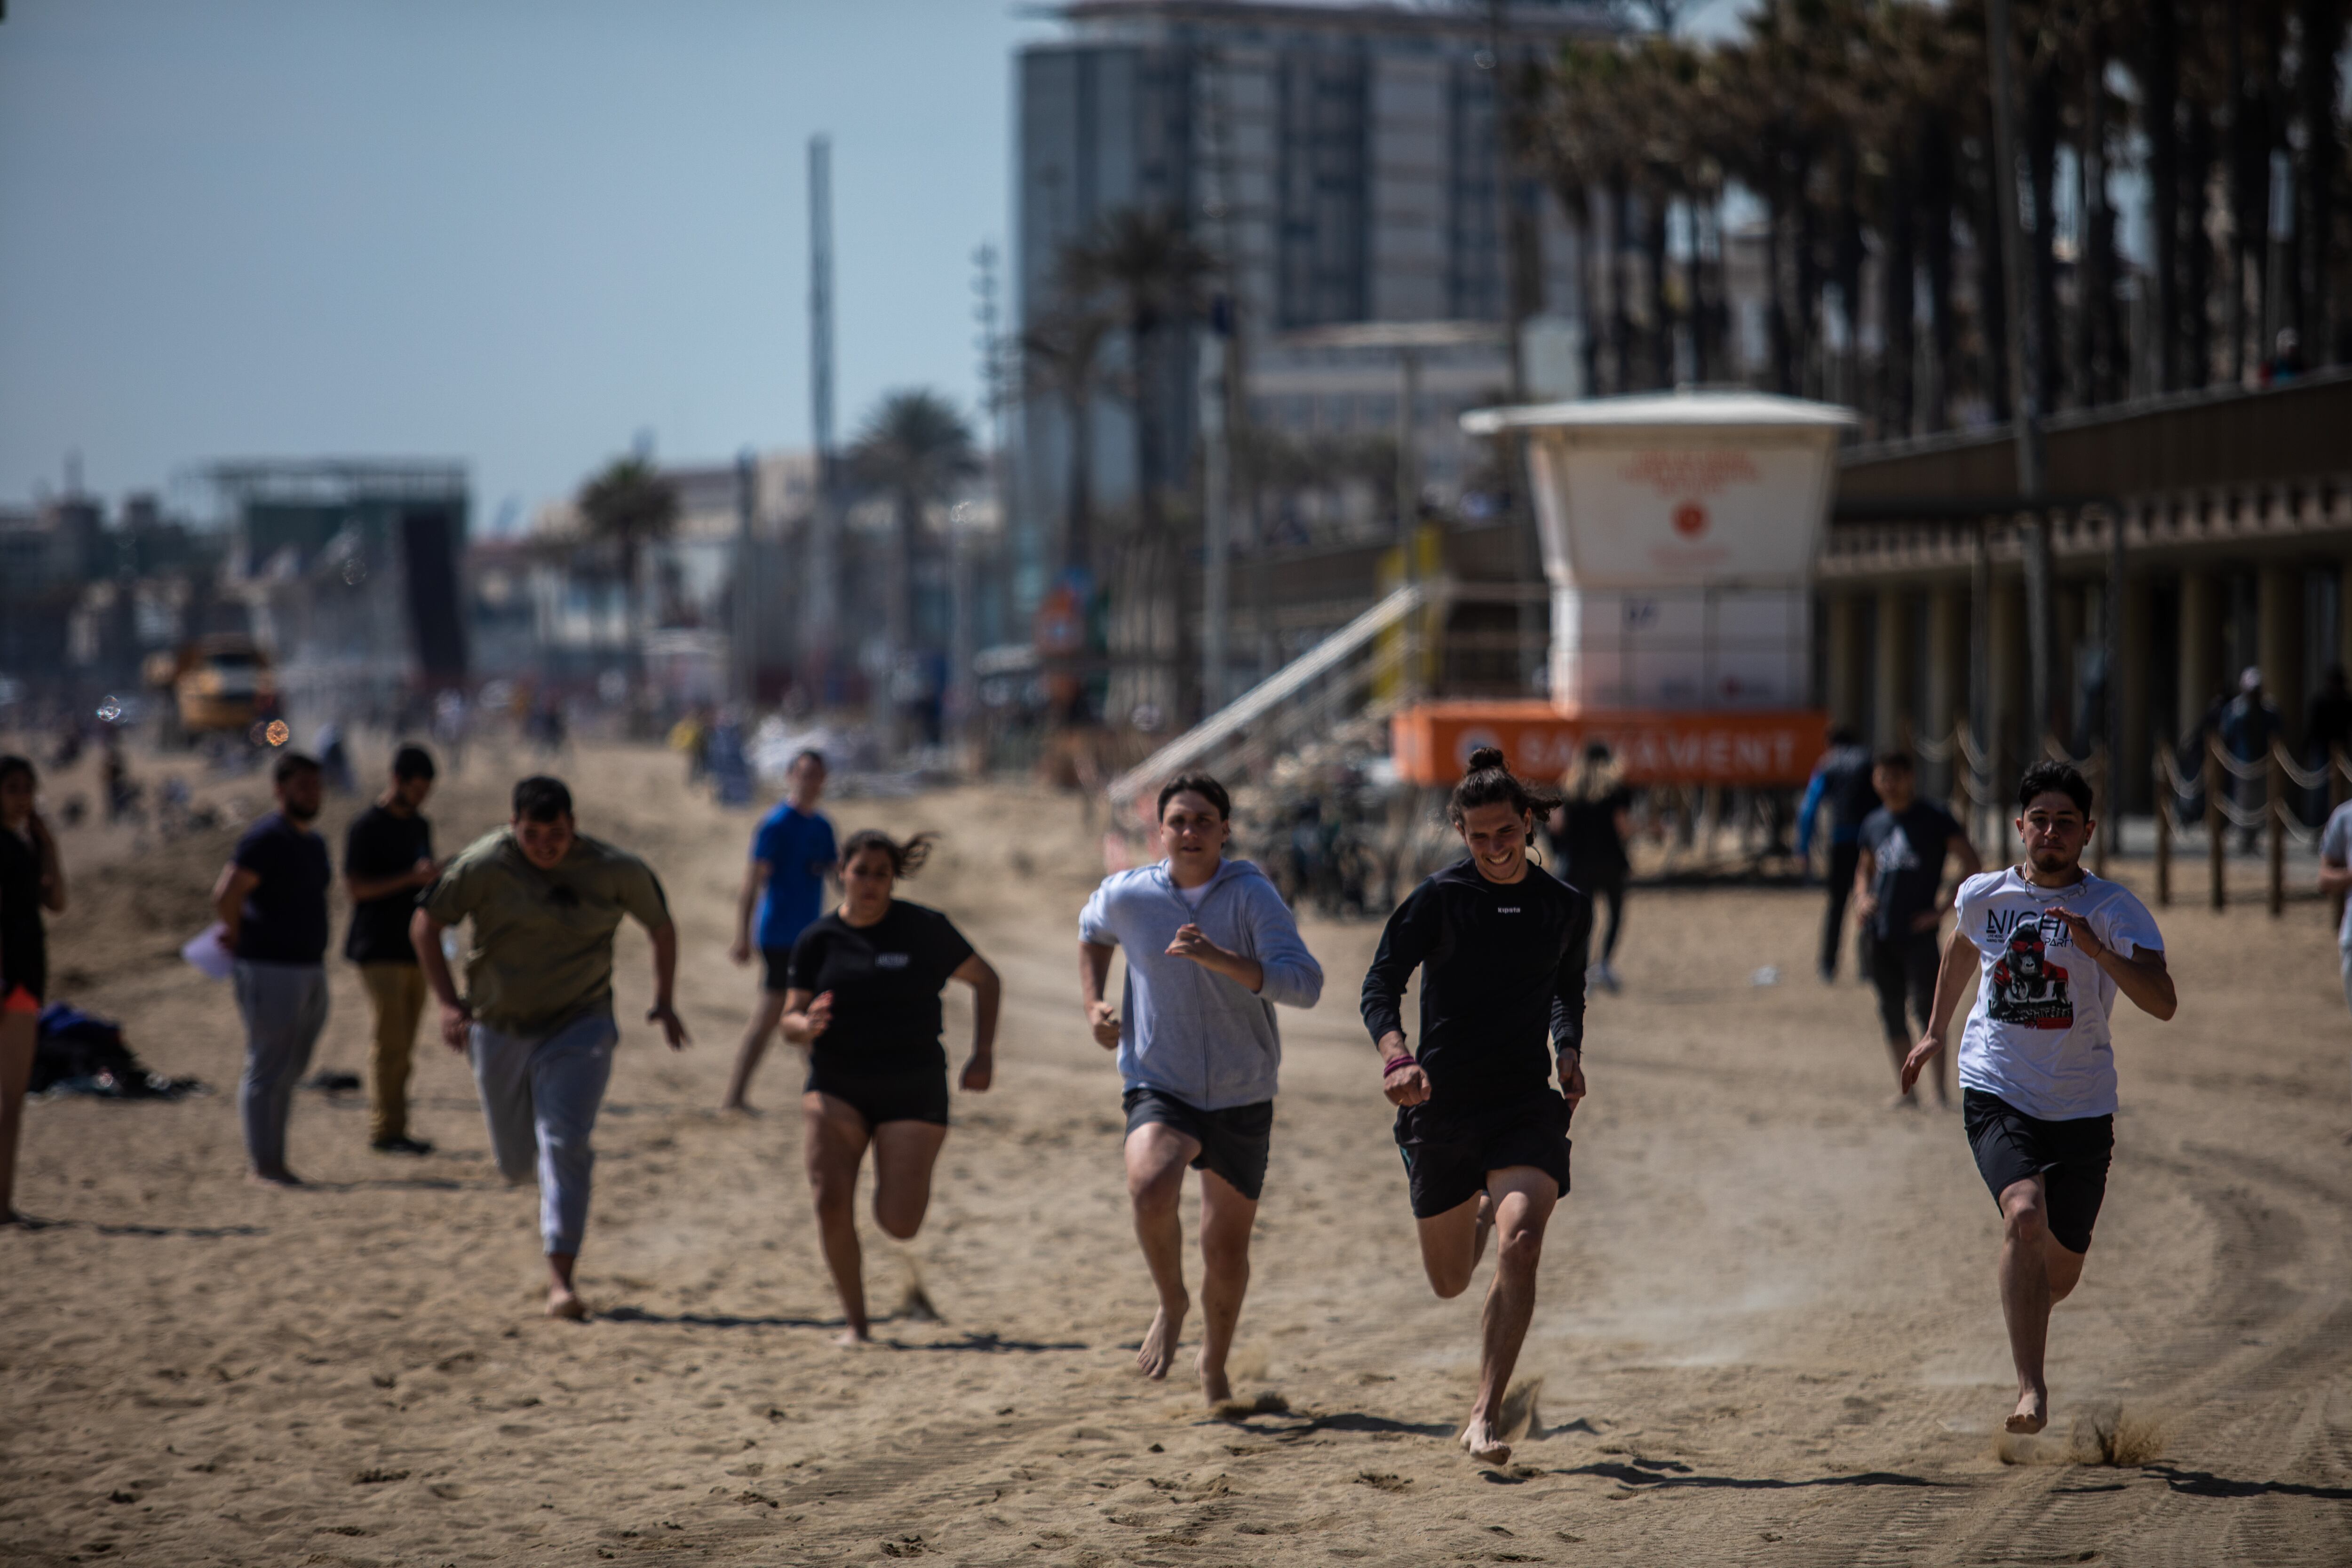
x=218, y=684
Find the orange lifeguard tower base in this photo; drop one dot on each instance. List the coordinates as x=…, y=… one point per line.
x=1432, y=741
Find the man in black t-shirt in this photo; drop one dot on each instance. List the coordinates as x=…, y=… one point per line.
x=272, y=902
x=388, y=864
x=1897, y=887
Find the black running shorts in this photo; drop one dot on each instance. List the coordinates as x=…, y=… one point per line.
x=1234, y=1141
x=886, y=1096
x=775, y=964
x=1447, y=1156
x=2071, y=1157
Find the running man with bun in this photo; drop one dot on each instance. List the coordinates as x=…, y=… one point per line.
x=536, y=1016
x=1501, y=946
x=2051, y=944
x=792, y=855
x=1211, y=949
x=863, y=996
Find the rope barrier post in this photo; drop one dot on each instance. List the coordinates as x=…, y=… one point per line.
x=2216, y=827
x=2277, y=796
x=2163, y=833
x=2104, y=799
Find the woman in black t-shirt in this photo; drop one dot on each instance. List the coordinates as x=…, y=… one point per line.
x=862, y=995
x=30, y=881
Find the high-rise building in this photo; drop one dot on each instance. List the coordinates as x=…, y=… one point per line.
x=1342, y=164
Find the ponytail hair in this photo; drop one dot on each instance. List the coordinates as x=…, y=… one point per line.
x=1489, y=781
x=905, y=860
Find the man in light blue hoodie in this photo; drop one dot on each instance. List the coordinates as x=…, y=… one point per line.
x=1210, y=948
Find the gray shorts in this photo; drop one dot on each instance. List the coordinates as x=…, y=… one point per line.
x=1234, y=1141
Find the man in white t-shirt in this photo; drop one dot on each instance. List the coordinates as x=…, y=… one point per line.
x=2052, y=944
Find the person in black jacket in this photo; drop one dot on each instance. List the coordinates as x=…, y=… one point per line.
x=31, y=881
x=1501, y=945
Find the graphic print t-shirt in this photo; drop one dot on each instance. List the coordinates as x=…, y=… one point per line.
x=885, y=979
x=2038, y=1035
x=1909, y=847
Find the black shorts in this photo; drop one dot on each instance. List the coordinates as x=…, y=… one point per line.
x=1234, y=1141
x=775, y=964
x=2071, y=1157
x=886, y=1096
x=1447, y=1157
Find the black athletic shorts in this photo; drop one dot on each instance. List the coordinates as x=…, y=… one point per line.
x=1234, y=1141
x=2071, y=1157
x=1447, y=1156
x=886, y=1097
x=775, y=964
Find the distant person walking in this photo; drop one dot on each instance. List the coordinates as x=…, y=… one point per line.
x=2051, y=945
x=272, y=903
x=1501, y=948
x=1899, y=890
x=536, y=1019
x=388, y=864
x=863, y=995
x=792, y=855
x=1210, y=950
x=1842, y=780
x=32, y=879
x=1587, y=836
x=2248, y=726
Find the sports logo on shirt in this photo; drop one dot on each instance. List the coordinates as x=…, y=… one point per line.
x=2027, y=989
x=899, y=961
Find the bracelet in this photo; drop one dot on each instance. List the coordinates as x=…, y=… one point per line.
x=1390, y=1065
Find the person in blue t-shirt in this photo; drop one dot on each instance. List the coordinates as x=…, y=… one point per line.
x=792, y=855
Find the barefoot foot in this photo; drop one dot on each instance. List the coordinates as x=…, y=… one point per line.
x=1484, y=1442
x=1158, y=1350
x=564, y=1302
x=1216, y=1388
x=2031, y=1414
x=851, y=1339
x=274, y=1179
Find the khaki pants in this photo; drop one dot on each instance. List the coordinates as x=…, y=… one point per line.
x=396, y=993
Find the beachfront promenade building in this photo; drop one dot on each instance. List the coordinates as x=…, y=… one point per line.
x=2234, y=509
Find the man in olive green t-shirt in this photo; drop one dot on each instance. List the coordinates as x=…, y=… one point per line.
x=536, y=1016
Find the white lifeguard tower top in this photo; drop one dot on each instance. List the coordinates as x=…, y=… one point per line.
x=1677, y=489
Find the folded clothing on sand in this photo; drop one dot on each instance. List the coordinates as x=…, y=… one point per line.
x=80, y=1053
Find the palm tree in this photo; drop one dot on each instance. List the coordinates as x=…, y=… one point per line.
x=914, y=448
x=1150, y=269
x=1059, y=359
x=626, y=507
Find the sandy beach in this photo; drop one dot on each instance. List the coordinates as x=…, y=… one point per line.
x=1767, y=1330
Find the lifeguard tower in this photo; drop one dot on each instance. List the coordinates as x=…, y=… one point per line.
x=1679, y=532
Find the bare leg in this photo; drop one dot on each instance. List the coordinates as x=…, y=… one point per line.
x=19, y=1034
x=563, y=1301
x=1452, y=1243
x=1156, y=1157
x=1524, y=1198
x=835, y=1139
x=1226, y=1218
x=904, y=1153
x=2035, y=1273
x=764, y=1017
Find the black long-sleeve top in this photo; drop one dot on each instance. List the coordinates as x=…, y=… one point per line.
x=1502, y=968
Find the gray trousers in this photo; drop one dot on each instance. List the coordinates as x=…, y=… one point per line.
x=540, y=1094
x=284, y=1007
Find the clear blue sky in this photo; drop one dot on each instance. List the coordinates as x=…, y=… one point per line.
x=515, y=232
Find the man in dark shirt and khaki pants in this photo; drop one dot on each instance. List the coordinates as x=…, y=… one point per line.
x=387, y=862
x=272, y=902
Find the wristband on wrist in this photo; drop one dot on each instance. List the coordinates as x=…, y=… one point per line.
x=1390, y=1065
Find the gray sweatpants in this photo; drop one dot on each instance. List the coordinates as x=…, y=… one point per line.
x=284, y=1007
x=540, y=1094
